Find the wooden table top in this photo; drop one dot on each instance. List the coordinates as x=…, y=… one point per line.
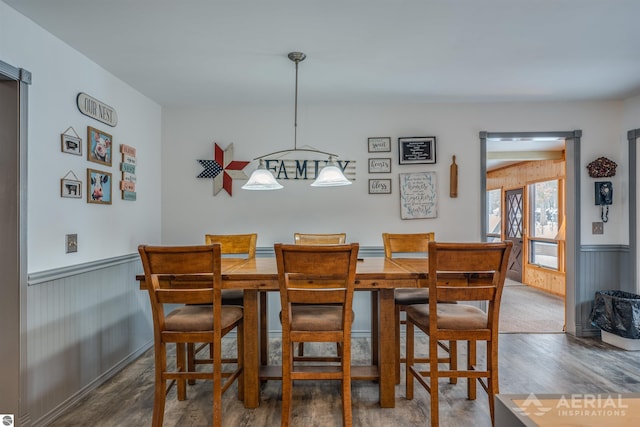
x=371, y=273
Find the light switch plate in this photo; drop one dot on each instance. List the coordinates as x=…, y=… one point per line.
x=597, y=228
x=71, y=243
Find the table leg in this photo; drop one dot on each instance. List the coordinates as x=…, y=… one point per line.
x=375, y=328
x=264, y=331
x=251, y=351
x=387, y=349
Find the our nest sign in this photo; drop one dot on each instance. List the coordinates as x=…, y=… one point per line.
x=95, y=109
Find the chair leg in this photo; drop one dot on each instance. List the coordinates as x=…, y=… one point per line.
x=347, y=419
x=493, y=382
x=240, y=358
x=453, y=360
x=433, y=381
x=471, y=362
x=191, y=364
x=160, y=385
x=287, y=363
x=410, y=360
x=181, y=366
x=264, y=333
x=217, y=383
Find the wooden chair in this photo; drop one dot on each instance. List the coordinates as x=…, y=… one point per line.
x=318, y=239
x=484, y=266
x=316, y=294
x=236, y=245
x=189, y=275
x=412, y=245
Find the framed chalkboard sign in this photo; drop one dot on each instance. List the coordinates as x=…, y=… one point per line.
x=417, y=149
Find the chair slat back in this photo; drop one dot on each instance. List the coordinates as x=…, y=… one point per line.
x=317, y=274
x=164, y=266
x=235, y=244
x=319, y=239
x=484, y=265
x=406, y=243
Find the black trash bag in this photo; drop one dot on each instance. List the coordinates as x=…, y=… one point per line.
x=617, y=312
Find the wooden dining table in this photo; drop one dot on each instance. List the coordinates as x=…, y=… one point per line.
x=378, y=275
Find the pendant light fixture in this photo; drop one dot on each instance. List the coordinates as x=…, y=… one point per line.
x=329, y=176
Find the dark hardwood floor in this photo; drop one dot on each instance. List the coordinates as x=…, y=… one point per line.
x=529, y=363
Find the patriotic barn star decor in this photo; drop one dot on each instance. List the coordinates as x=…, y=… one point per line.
x=223, y=169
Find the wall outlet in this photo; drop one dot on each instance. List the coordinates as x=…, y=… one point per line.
x=597, y=228
x=72, y=243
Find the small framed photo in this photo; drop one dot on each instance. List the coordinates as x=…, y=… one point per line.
x=99, y=187
x=416, y=150
x=380, y=145
x=70, y=188
x=379, y=165
x=99, y=146
x=379, y=186
x=71, y=144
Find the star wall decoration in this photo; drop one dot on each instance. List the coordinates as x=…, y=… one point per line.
x=223, y=169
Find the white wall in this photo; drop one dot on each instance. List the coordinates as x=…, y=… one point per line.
x=59, y=74
x=190, y=209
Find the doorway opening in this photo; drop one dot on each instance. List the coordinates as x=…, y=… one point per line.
x=524, y=182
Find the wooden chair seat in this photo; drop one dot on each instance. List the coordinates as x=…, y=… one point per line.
x=316, y=318
x=200, y=318
x=232, y=296
x=450, y=316
x=411, y=296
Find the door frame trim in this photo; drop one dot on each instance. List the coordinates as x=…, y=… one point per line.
x=23, y=78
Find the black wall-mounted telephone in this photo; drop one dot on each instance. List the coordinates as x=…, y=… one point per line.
x=604, y=193
x=604, y=197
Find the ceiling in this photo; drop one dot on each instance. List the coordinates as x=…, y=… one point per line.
x=226, y=52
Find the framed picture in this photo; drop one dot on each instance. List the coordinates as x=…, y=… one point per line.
x=99, y=187
x=70, y=188
x=71, y=144
x=379, y=144
x=379, y=186
x=380, y=165
x=99, y=146
x=415, y=150
x=418, y=196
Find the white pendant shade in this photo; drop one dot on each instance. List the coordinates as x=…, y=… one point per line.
x=262, y=179
x=330, y=176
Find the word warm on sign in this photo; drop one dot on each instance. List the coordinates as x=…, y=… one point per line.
x=95, y=109
x=307, y=169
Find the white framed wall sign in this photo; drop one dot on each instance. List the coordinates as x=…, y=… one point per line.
x=418, y=195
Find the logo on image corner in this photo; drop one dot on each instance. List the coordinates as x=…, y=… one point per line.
x=7, y=420
x=532, y=406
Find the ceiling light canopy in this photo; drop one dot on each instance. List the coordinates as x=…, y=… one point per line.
x=330, y=175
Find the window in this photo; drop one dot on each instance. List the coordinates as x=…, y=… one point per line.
x=494, y=215
x=543, y=224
